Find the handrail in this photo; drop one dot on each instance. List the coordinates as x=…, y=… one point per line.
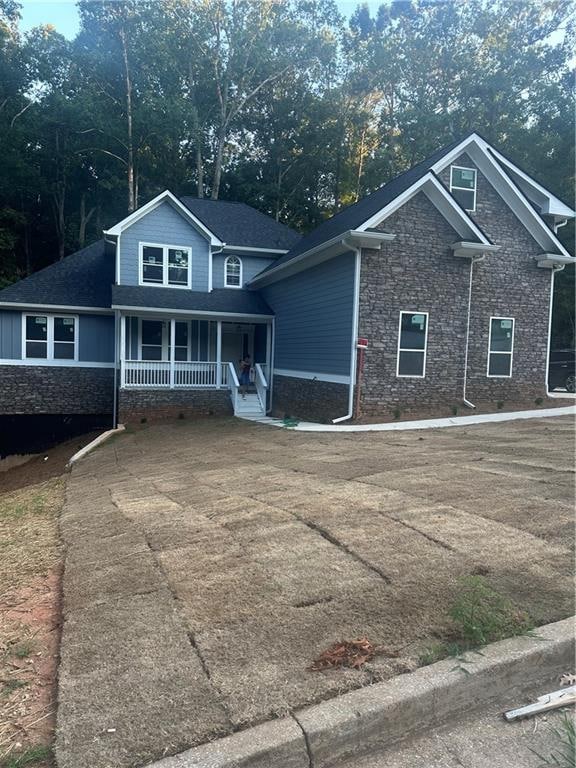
x=234, y=385
x=261, y=385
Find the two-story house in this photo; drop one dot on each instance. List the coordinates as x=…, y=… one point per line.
x=445, y=274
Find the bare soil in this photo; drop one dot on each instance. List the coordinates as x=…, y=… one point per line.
x=209, y=564
x=31, y=497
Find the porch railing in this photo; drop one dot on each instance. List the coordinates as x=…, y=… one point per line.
x=166, y=374
x=261, y=385
x=234, y=384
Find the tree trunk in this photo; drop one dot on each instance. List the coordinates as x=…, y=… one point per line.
x=218, y=162
x=199, y=167
x=131, y=192
x=58, y=199
x=84, y=221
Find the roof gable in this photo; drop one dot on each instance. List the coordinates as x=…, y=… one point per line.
x=165, y=197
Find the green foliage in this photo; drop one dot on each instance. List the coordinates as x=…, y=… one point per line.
x=397, y=412
x=29, y=757
x=9, y=686
x=500, y=404
x=564, y=754
x=482, y=615
x=286, y=106
x=24, y=649
x=538, y=401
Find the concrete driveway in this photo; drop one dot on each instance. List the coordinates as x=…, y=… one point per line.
x=209, y=563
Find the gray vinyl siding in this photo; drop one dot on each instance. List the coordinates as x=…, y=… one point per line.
x=314, y=312
x=96, y=339
x=251, y=266
x=164, y=226
x=10, y=335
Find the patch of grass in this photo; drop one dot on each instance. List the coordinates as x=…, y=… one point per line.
x=539, y=401
x=454, y=410
x=32, y=756
x=482, y=615
x=564, y=756
x=23, y=649
x=397, y=413
x=500, y=404
x=9, y=686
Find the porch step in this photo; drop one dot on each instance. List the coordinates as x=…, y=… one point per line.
x=249, y=405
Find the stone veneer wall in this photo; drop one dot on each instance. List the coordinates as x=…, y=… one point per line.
x=507, y=284
x=309, y=399
x=417, y=272
x=28, y=389
x=134, y=405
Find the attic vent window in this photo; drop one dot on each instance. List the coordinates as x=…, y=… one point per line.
x=233, y=272
x=463, y=186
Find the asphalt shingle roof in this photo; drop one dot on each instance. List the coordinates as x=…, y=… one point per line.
x=83, y=279
x=224, y=300
x=355, y=215
x=240, y=224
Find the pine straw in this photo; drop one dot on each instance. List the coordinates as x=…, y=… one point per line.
x=29, y=532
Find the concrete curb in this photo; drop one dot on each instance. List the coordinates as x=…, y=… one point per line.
x=400, y=426
x=370, y=718
x=94, y=444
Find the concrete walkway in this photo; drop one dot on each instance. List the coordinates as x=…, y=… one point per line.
x=400, y=426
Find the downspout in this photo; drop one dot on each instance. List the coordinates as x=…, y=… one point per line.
x=464, y=399
x=271, y=371
x=355, y=313
x=210, y=270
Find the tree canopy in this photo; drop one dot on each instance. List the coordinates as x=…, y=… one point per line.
x=287, y=106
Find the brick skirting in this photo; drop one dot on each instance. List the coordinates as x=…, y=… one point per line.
x=309, y=399
x=29, y=389
x=136, y=405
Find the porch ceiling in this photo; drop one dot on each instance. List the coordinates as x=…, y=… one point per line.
x=220, y=301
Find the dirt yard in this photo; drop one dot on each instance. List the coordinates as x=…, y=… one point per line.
x=31, y=498
x=210, y=563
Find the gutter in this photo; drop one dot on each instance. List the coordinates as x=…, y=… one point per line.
x=365, y=239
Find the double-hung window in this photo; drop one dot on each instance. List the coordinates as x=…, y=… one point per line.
x=50, y=337
x=167, y=265
x=232, y=272
x=500, y=347
x=463, y=186
x=412, y=341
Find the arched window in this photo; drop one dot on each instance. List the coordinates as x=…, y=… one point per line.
x=233, y=272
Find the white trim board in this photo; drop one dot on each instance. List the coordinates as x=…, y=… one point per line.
x=480, y=153
x=36, y=363
x=164, y=197
x=190, y=312
x=333, y=378
x=47, y=308
x=439, y=196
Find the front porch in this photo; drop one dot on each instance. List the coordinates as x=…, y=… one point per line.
x=175, y=353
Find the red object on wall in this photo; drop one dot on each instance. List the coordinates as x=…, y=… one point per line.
x=362, y=343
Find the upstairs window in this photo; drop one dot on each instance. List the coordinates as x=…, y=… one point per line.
x=50, y=337
x=463, y=186
x=167, y=265
x=233, y=272
x=500, y=347
x=412, y=342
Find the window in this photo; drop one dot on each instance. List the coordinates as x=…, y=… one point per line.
x=463, y=186
x=154, y=340
x=50, y=337
x=412, y=341
x=500, y=347
x=233, y=272
x=165, y=265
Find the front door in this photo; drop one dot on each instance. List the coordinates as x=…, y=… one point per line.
x=237, y=342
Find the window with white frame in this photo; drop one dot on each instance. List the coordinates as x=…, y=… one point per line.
x=50, y=337
x=463, y=186
x=500, y=347
x=167, y=265
x=412, y=342
x=233, y=272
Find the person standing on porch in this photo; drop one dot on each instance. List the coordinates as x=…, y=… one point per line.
x=245, y=366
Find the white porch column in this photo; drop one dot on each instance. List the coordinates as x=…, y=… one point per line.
x=122, y=350
x=172, y=348
x=219, y=354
